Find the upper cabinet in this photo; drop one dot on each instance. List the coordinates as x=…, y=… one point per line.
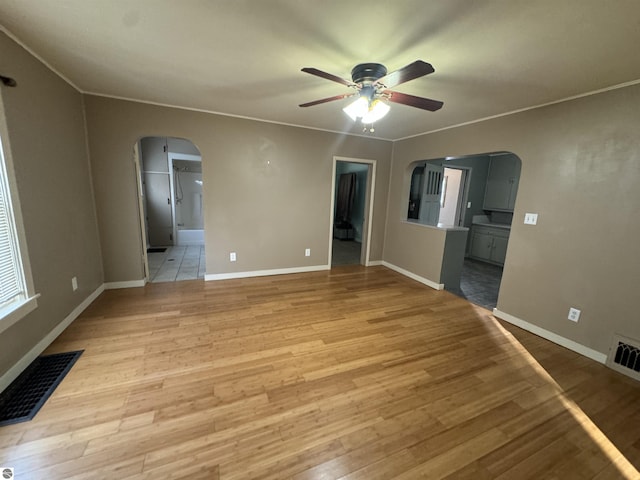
x=154, y=154
x=502, y=183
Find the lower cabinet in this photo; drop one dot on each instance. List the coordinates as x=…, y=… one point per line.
x=489, y=244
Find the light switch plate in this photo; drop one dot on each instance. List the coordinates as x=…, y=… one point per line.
x=530, y=218
x=307, y=252
x=232, y=257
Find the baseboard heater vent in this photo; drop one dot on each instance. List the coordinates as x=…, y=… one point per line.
x=624, y=356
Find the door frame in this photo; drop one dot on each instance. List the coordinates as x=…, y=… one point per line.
x=141, y=210
x=171, y=156
x=463, y=195
x=365, y=252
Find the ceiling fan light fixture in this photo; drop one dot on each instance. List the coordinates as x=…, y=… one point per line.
x=357, y=109
x=377, y=110
x=368, y=111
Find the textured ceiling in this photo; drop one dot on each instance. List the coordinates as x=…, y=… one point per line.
x=244, y=57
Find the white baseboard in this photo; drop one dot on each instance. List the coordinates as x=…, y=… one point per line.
x=264, y=273
x=417, y=278
x=127, y=284
x=375, y=263
x=552, y=337
x=32, y=354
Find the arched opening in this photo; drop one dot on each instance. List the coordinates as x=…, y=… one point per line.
x=170, y=183
x=477, y=192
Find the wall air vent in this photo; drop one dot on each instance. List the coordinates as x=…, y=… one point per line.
x=624, y=356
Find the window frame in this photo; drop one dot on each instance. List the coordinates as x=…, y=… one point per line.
x=27, y=302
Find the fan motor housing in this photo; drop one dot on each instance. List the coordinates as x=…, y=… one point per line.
x=368, y=72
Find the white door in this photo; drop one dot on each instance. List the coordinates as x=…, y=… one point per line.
x=431, y=193
x=449, y=207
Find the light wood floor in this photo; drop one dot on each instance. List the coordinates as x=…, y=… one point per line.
x=353, y=374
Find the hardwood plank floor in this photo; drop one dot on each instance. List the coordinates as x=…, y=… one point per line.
x=350, y=374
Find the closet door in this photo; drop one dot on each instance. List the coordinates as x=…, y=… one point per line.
x=159, y=216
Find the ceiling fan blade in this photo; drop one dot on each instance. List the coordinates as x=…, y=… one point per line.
x=328, y=76
x=413, y=101
x=330, y=99
x=416, y=69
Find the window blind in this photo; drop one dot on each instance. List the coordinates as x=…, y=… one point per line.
x=12, y=285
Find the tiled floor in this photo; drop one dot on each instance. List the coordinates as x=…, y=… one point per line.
x=480, y=283
x=177, y=263
x=345, y=252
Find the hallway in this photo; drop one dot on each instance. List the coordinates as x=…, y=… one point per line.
x=176, y=264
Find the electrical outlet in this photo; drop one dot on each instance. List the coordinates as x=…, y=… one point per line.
x=530, y=218
x=307, y=252
x=468, y=204
x=74, y=283
x=232, y=257
x=574, y=314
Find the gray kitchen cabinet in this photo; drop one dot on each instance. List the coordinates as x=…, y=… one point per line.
x=489, y=244
x=499, y=249
x=481, y=243
x=502, y=183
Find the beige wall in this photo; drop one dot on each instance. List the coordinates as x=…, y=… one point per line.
x=580, y=173
x=44, y=117
x=267, y=197
x=267, y=187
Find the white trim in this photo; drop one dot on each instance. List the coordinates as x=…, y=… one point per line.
x=513, y=112
x=21, y=257
x=10, y=34
x=371, y=170
x=413, y=276
x=14, y=313
x=141, y=216
x=11, y=374
x=125, y=284
x=552, y=337
x=148, y=102
x=171, y=156
x=264, y=273
x=375, y=263
x=222, y=114
x=184, y=156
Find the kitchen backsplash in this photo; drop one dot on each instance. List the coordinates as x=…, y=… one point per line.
x=501, y=217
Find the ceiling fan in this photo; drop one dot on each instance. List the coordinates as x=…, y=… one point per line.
x=371, y=83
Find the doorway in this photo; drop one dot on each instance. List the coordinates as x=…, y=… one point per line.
x=477, y=192
x=351, y=211
x=170, y=200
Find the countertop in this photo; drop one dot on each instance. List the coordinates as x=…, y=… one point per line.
x=485, y=221
x=439, y=226
x=503, y=226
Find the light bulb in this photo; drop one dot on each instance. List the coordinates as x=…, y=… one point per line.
x=357, y=108
x=376, y=111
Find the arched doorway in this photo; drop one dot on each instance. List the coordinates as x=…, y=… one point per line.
x=477, y=192
x=171, y=208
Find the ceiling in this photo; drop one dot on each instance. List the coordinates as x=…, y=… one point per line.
x=243, y=57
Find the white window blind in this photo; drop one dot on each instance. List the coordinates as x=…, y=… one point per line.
x=12, y=285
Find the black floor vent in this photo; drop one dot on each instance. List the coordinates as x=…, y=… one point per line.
x=21, y=400
x=624, y=356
